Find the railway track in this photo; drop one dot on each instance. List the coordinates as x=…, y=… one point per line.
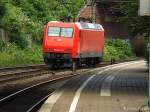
x=28, y=97
x=24, y=95
x=9, y=102
x=5, y=78
x=12, y=74
x=18, y=68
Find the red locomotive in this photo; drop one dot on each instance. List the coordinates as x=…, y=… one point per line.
x=77, y=42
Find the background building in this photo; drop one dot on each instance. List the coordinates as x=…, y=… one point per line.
x=107, y=13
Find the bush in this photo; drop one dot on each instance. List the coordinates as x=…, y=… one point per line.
x=12, y=55
x=118, y=50
x=2, y=45
x=20, y=40
x=28, y=17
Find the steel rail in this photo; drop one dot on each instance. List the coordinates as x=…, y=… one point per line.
x=8, y=98
x=43, y=65
x=35, y=107
x=18, y=93
x=22, y=67
x=5, y=75
x=27, y=74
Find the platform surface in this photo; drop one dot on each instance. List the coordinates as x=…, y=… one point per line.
x=119, y=88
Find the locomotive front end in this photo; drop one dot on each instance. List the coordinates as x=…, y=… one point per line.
x=58, y=43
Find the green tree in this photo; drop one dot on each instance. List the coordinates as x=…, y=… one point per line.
x=138, y=25
x=14, y=21
x=26, y=18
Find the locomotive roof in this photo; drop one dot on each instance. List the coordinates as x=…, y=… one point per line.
x=92, y=26
x=81, y=25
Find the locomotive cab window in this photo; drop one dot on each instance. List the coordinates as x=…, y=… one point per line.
x=53, y=31
x=62, y=32
x=66, y=32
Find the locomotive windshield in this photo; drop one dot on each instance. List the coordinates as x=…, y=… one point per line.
x=66, y=32
x=61, y=32
x=53, y=31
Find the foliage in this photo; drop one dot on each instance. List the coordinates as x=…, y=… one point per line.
x=2, y=45
x=118, y=50
x=12, y=55
x=138, y=25
x=21, y=18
